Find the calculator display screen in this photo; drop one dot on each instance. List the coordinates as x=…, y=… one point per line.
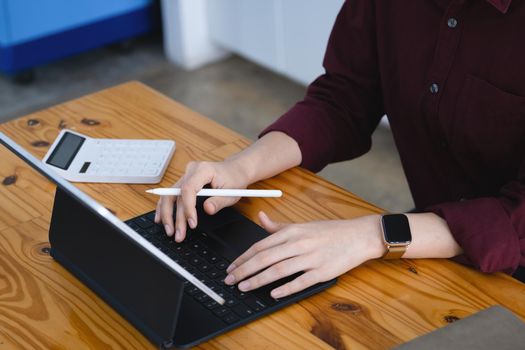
x=66, y=150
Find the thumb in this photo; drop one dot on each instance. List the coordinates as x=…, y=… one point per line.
x=268, y=224
x=213, y=204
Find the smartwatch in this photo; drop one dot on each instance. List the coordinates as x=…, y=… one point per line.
x=396, y=235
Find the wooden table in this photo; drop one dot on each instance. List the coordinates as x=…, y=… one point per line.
x=376, y=306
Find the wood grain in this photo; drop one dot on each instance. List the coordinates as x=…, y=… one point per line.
x=375, y=306
x=24, y=194
x=40, y=306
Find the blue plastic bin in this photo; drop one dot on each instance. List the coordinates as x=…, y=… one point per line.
x=34, y=32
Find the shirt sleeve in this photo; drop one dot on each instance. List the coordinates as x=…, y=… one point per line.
x=342, y=107
x=491, y=230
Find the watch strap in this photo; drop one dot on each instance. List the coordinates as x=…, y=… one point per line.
x=394, y=252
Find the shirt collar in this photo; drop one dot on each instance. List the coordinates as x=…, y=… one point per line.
x=501, y=5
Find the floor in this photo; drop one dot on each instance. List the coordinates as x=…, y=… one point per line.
x=235, y=92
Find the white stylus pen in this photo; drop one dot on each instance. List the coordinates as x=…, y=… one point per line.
x=213, y=192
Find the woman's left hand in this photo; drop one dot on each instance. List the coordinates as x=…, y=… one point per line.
x=322, y=249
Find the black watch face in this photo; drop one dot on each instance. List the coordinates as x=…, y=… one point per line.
x=396, y=229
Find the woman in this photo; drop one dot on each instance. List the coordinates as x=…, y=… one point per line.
x=449, y=76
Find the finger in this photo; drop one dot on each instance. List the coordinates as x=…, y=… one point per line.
x=180, y=222
x=275, y=272
x=261, y=261
x=166, y=213
x=196, y=179
x=213, y=204
x=268, y=242
x=157, y=212
x=304, y=281
x=268, y=224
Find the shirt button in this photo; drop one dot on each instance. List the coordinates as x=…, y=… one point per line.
x=452, y=22
x=434, y=88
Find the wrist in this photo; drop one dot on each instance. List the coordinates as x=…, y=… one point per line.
x=241, y=169
x=374, y=238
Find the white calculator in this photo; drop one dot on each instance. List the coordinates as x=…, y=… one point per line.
x=80, y=158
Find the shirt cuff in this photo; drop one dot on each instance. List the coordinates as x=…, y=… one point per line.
x=484, y=230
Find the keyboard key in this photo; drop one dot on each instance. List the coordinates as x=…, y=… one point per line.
x=188, y=255
x=201, y=297
x=230, y=318
x=236, y=292
x=151, y=216
x=184, y=264
x=190, y=235
x=222, y=265
x=196, y=261
x=242, y=310
x=196, y=246
x=230, y=288
x=163, y=237
x=204, y=267
x=254, y=303
x=199, y=276
x=141, y=232
x=214, y=274
x=211, y=304
x=207, y=281
x=191, y=290
x=239, y=294
x=223, y=294
x=164, y=249
x=230, y=302
x=190, y=269
x=221, y=311
x=174, y=256
x=143, y=222
x=170, y=243
x=178, y=248
x=220, y=277
x=133, y=226
x=154, y=230
x=211, y=258
x=157, y=243
x=215, y=288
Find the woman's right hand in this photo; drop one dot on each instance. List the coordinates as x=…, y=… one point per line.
x=272, y=154
x=226, y=174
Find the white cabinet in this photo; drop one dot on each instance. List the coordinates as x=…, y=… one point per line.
x=247, y=27
x=306, y=26
x=288, y=36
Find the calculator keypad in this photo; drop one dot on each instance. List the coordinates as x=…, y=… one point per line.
x=129, y=157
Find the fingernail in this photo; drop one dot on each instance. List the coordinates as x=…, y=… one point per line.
x=231, y=268
x=156, y=218
x=191, y=222
x=244, y=286
x=276, y=293
x=168, y=229
x=230, y=279
x=213, y=208
x=177, y=235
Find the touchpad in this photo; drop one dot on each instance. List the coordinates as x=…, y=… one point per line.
x=240, y=235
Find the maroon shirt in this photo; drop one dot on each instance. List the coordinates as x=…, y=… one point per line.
x=450, y=75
